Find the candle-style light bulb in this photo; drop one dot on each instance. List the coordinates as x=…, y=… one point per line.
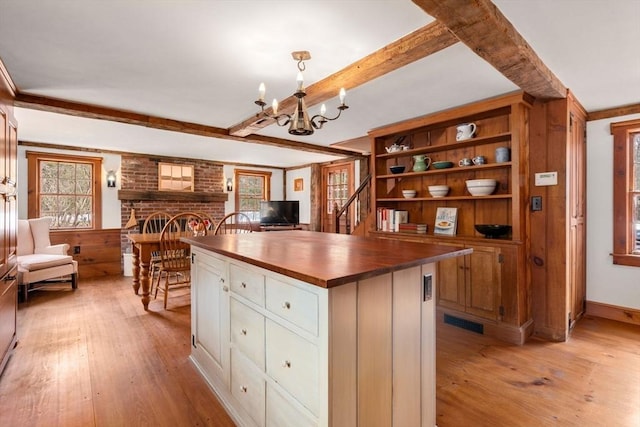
x=261, y=92
x=323, y=109
x=300, y=80
x=343, y=93
x=274, y=106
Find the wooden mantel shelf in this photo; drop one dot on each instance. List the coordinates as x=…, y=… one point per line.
x=191, y=196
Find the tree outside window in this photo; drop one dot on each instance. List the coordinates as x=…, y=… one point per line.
x=66, y=188
x=251, y=188
x=626, y=192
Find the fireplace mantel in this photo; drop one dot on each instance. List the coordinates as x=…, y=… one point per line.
x=191, y=196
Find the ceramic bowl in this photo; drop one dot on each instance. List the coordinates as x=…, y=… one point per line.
x=493, y=231
x=442, y=165
x=481, y=187
x=438, y=190
x=409, y=194
x=397, y=169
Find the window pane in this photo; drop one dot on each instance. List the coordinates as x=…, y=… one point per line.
x=66, y=193
x=636, y=162
x=636, y=223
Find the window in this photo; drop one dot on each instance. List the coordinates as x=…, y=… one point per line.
x=66, y=188
x=251, y=188
x=626, y=192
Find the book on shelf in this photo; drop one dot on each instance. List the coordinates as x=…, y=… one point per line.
x=388, y=219
x=446, y=221
x=410, y=227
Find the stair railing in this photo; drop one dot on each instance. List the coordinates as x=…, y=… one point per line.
x=360, y=200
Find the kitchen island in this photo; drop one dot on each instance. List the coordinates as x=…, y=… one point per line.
x=299, y=328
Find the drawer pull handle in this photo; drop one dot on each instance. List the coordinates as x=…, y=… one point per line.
x=243, y=331
x=225, y=288
x=243, y=388
x=244, y=285
x=286, y=305
x=286, y=364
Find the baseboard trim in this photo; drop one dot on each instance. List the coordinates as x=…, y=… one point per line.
x=613, y=312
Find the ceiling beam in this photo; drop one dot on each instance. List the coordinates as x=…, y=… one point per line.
x=613, y=112
x=410, y=48
x=76, y=109
x=481, y=26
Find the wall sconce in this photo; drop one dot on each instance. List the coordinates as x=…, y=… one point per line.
x=229, y=184
x=111, y=179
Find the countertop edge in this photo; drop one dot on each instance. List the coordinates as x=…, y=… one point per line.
x=197, y=242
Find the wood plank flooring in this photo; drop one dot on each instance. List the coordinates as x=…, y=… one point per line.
x=93, y=357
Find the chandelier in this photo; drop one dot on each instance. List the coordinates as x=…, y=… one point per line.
x=299, y=122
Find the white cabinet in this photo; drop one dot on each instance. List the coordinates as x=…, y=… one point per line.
x=210, y=315
x=280, y=352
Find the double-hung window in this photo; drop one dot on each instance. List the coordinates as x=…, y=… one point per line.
x=626, y=192
x=66, y=188
x=251, y=188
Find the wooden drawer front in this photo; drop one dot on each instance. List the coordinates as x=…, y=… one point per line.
x=293, y=362
x=284, y=413
x=294, y=304
x=248, y=387
x=247, y=283
x=247, y=332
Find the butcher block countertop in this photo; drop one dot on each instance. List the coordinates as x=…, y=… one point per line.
x=324, y=259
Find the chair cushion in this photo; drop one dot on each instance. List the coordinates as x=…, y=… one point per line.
x=40, y=261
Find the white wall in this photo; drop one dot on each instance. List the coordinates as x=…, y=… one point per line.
x=304, y=196
x=606, y=283
x=110, y=202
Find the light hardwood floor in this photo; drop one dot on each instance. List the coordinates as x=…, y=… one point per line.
x=93, y=357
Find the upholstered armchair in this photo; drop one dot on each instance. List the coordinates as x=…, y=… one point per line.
x=40, y=262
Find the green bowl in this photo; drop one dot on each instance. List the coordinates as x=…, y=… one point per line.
x=442, y=165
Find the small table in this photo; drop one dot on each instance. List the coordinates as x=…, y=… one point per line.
x=143, y=246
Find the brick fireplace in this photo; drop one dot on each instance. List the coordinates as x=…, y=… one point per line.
x=139, y=190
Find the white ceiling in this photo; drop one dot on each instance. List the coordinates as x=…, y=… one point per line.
x=202, y=61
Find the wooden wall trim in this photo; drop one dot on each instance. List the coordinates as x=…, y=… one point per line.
x=613, y=312
x=100, y=250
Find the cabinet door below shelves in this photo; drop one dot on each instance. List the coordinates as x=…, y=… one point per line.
x=483, y=282
x=471, y=284
x=451, y=283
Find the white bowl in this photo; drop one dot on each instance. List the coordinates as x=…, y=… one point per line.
x=409, y=194
x=480, y=182
x=481, y=187
x=438, y=190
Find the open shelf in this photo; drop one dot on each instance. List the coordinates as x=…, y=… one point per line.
x=443, y=199
x=502, y=137
x=455, y=169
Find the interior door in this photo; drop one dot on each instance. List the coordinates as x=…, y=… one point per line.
x=337, y=187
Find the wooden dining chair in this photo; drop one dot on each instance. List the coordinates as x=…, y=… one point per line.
x=175, y=256
x=234, y=223
x=154, y=224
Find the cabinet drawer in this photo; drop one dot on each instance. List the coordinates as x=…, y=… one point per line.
x=282, y=412
x=293, y=362
x=247, y=332
x=247, y=283
x=248, y=387
x=293, y=304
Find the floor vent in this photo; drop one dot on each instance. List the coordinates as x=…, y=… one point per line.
x=464, y=324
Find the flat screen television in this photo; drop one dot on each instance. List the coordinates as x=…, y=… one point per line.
x=279, y=212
